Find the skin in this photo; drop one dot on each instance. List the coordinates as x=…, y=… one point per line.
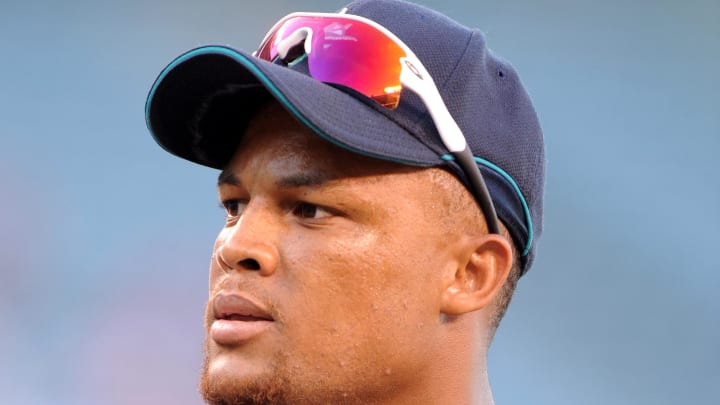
x=376, y=296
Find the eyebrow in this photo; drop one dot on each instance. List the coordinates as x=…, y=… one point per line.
x=228, y=177
x=304, y=179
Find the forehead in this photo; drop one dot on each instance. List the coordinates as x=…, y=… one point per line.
x=278, y=150
x=274, y=141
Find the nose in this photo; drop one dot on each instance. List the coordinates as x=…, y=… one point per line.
x=250, y=244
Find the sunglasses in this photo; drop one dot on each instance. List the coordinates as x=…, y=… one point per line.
x=361, y=54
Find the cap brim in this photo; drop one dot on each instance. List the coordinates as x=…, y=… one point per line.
x=183, y=87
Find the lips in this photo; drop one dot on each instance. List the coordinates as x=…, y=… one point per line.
x=237, y=319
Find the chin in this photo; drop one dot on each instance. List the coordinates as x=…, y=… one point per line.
x=229, y=379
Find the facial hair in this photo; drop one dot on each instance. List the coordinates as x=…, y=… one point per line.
x=266, y=390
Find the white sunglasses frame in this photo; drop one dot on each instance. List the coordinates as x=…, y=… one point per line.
x=415, y=77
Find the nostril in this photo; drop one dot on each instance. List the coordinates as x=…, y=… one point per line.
x=249, y=264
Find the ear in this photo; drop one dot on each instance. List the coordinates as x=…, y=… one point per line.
x=484, y=266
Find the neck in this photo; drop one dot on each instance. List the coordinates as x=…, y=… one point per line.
x=467, y=388
x=482, y=388
x=464, y=352
x=456, y=375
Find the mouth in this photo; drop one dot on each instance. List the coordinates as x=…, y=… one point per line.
x=238, y=319
x=242, y=317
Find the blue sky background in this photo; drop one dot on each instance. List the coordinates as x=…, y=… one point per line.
x=105, y=239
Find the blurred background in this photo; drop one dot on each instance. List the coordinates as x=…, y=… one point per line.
x=105, y=239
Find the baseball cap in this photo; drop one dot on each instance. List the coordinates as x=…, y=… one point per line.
x=482, y=92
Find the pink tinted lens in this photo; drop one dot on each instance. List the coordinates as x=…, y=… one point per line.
x=346, y=52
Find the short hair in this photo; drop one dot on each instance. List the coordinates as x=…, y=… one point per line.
x=504, y=296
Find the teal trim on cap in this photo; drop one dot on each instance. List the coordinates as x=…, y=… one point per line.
x=269, y=85
x=242, y=59
x=508, y=177
x=298, y=60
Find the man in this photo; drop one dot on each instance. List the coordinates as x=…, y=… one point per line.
x=362, y=260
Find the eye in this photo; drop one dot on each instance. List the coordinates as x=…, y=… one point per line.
x=233, y=208
x=310, y=211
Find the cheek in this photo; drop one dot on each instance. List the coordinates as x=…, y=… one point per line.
x=355, y=306
x=365, y=285
x=335, y=268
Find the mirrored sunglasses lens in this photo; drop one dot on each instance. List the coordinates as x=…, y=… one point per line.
x=349, y=53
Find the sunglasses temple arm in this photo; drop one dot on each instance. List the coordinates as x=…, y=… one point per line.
x=482, y=195
x=452, y=137
x=454, y=140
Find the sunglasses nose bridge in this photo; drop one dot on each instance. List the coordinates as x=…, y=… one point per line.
x=301, y=36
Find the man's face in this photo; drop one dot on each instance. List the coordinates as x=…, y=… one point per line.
x=326, y=280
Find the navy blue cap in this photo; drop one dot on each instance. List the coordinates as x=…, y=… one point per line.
x=482, y=92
